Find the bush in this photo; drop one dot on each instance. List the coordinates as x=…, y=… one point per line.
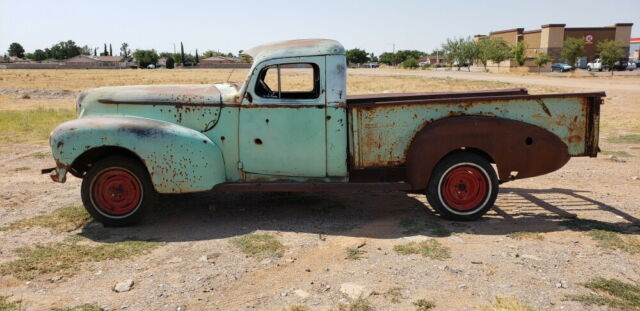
x=170, y=63
x=410, y=63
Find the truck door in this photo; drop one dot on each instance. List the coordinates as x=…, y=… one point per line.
x=282, y=121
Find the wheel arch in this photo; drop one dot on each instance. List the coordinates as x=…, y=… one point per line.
x=178, y=159
x=513, y=146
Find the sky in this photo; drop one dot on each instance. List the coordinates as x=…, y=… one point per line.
x=229, y=26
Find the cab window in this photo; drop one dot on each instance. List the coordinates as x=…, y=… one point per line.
x=290, y=81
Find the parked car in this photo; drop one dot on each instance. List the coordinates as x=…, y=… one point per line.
x=595, y=65
x=631, y=66
x=131, y=143
x=561, y=67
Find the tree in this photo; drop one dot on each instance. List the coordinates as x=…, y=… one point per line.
x=610, y=53
x=125, y=51
x=543, y=59
x=469, y=52
x=572, y=48
x=39, y=55
x=95, y=51
x=484, y=49
x=105, y=52
x=85, y=50
x=181, y=54
x=15, y=49
x=410, y=63
x=499, y=51
x=110, y=50
x=357, y=56
x=146, y=57
x=518, y=52
x=454, y=52
x=197, y=58
x=64, y=50
x=170, y=63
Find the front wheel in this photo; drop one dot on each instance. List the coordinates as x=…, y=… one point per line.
x=463, y=186
x=117, y=191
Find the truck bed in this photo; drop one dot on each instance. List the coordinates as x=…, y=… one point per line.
x=384, y=125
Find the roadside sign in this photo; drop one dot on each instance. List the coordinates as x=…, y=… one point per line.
x=588, y=39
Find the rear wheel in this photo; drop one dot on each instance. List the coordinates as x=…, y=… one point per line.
x=117, y=191
x=463, y=186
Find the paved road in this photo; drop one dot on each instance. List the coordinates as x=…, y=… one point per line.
x=626, y=82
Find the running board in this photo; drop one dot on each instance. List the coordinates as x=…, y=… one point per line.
x=311, y=187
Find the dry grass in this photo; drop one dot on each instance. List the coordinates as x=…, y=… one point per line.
x=31, y=125
x=526, y=235
x=61, y=220
x=429, y=248
x=360, y=304
x=507, y=304
x=82, y=307
x=66, y=258
x=424, y=305
x=616, y=241
x=259, y=245
x=613, y=293
x=6, y=305
x=354, y=253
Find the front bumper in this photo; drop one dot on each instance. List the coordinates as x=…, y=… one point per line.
x=57, y=174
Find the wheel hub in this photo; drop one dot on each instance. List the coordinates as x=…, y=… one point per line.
x=116, y=191
x=464, y=188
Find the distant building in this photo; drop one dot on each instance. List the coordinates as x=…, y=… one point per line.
x=550, y=38
x=217, y=60
x=97, y=61
x=431, y=59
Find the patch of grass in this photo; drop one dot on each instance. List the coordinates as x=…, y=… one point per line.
x=259, y=245
x=20, y=169
x=424, y=305
x=422, y=224
x=82, y=307
x=610, y=292
x=526, y=235
x=29, y=125
x=25, y=96
x=354, y=253
x=360, y=304
x=590, y=224
x=429, y=248
x=6, y=305
x=613, y=240
x=394, y=294
x=65, y=258
x=39, y=155
x=621, y=154
x=626, y=139
x=298, y=308
x=507, y=304
x=61, y=220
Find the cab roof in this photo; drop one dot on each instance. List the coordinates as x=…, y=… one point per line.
x=295, y=48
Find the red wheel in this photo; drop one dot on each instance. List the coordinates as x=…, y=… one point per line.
x=116, y=191
x=464, y=188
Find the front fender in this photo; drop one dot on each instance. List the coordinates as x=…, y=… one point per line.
x=178, y=159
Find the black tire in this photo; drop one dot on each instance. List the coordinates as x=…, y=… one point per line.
x=463, y=186
x=117, y=191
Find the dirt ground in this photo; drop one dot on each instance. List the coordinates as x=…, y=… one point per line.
x=198, y=268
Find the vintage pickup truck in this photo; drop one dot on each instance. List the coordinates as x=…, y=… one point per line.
x=291, y=127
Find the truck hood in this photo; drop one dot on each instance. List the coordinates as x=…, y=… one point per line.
x=195, y=106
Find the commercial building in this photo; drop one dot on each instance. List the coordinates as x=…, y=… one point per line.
x=550, y=38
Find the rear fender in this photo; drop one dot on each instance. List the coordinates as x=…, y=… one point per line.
x=179, y=159
x=514, y=146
